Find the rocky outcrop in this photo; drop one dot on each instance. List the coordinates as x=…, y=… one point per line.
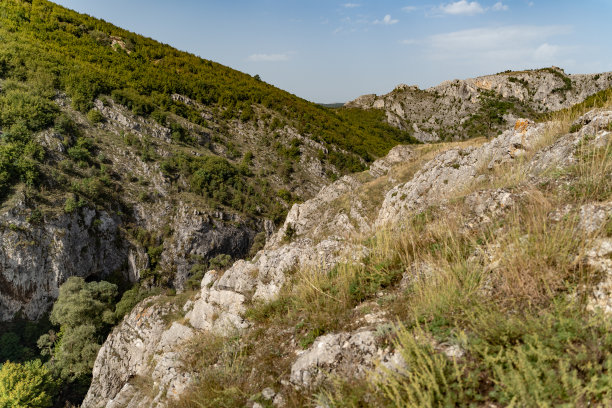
x=148, y=343
x=456, y=170
x=202, y=235
x=142, y=346
x=326, y=214
x=346, y=354
x=38, y=253
x=442, y=111
x=222, y=299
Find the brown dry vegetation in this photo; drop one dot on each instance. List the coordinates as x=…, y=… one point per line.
x=511, y=293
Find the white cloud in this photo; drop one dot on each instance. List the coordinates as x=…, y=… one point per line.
x=531, y=4
x=268, y=57
x=410, y=41
x=408, y=9
x=546, y=53
x=387, y=20
x=499, y=6
x=462, y=7
x=498, y=38
x=493, y=48
x=350, y=5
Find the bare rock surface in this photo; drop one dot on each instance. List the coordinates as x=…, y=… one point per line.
x=442, y=110
x=147, y=344
x=141, y=346
x=348, y=354
x=455, y=170
x=37, y=256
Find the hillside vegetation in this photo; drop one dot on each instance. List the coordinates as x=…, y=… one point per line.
x=492, y=309
x=140, y=264
x=46, y=48
x=113, y=145
x=490, y=286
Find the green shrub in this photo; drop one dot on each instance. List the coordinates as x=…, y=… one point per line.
x=28, y=385
x=95, y=116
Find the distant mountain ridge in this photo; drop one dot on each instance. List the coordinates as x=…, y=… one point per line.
x=459, y=109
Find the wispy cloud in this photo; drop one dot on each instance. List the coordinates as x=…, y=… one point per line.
x=409, y=9
x=462, y=7
x=546, y=52
x=269, y=57
x=499, y=6
x=510, y=45
x=387, y=20
x=410, y=41
x=496, y=37
x=351, y=5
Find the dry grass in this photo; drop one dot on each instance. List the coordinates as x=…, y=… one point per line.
x=499, y=289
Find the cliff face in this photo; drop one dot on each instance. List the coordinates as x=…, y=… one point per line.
x=461, y=179
x=452, y=109
x=43, y=242
x=37, y=255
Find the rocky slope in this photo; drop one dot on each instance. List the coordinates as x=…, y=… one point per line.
x=460, y=108
x=480, y=181
x=125, y=157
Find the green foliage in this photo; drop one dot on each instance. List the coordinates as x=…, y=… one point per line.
x=81, y=151
x=22, y=106
x=72, y=203
x=84, y=312
x=80, y=302
x=131, y=298
x=22, y=112
x=220, y=261
x=139, y=104
x=11, y=348
x=18, y=339
x=28, y=385
x=95, y=116
x=58, y=49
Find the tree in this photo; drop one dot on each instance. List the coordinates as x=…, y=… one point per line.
x=28, y=385
x=81, y=303
x=10, y=347
x=84, y=312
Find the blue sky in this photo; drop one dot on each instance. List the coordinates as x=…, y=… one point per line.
x=334, y=51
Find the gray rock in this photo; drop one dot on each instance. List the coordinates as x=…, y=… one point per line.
x=35, y=259
x=455, y=170
x=140, y=346
x=343, y=353
x=448, y=105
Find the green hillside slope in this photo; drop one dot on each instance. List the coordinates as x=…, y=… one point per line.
x=46, y=49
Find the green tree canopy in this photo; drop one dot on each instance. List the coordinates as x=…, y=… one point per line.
x=84, y=311
x=81, y=303
x=28, y=385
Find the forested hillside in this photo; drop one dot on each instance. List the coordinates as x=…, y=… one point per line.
x=46, y=48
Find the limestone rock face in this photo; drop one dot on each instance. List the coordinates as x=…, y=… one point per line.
x=431, y=112
x=221, y=301
x=399, y=154
x=37, y=256
x=454, y=170
x=148, y=344
x=141, y=346
x=342, y=353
